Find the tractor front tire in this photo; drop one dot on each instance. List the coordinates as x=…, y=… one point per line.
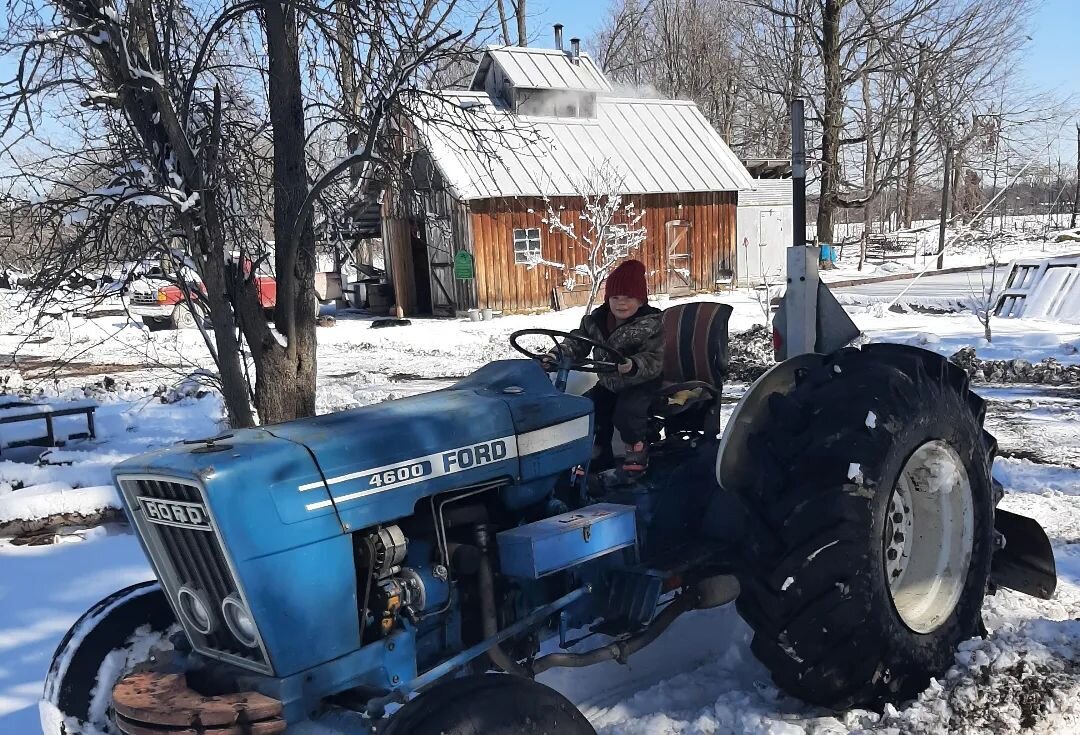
x=492, y=704
x=874, y=506
x=78, y=669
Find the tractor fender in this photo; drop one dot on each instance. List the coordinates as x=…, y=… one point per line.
x=734, y=465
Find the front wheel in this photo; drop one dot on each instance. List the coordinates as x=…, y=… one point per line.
x=103, y=645
x=492, y=704
x=875, y=505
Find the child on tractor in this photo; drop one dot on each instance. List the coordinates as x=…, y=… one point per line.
x=627, y=324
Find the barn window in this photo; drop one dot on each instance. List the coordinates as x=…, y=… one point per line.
x=526, y=245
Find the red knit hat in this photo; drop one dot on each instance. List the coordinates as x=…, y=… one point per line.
x=628, y=280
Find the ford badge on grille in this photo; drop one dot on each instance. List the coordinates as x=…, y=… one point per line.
x=175, y=513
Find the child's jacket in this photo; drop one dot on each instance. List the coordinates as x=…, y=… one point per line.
x=640, y=338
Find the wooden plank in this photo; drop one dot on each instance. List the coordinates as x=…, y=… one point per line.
x=498, y=245
x=487, y=230
x=515, y=218
x=493, y=257
x=481, y=261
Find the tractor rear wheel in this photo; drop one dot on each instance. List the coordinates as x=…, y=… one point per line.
x=875, y=505
x=493, y=704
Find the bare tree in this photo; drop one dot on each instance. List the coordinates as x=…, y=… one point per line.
x=608, y=229
x=991, y=284
x=181, y=95
x=517, y=9
x=681, y=48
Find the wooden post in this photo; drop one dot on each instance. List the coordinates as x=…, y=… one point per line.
x=944, y=205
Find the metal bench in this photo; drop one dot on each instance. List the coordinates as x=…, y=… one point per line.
x=16, y=411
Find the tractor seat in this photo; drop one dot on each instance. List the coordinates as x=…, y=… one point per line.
x=695, y=358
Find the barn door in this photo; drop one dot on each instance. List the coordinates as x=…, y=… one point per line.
x=677, y=280
x=441, y=266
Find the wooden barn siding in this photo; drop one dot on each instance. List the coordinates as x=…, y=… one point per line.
x=505, y=286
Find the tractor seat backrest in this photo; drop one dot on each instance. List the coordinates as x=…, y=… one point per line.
x=696, y=342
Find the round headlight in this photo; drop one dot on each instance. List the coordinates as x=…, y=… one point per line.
x=240, y=621
x=195, y=610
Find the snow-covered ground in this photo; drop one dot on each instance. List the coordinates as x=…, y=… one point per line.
x=1013, y=242
x=701, y=678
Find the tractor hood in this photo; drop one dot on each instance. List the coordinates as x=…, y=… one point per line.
x=333, y=474
x=504, y=422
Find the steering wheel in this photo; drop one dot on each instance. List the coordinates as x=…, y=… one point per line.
x=586, y=365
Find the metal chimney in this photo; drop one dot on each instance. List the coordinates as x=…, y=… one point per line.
x=575, y=50
x=558, y=36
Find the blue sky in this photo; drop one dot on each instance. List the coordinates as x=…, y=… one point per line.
x=1051, y=63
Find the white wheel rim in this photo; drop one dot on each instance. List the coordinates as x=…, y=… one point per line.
x=928, y=536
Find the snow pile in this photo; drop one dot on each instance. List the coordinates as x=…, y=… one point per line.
x=1013, y=681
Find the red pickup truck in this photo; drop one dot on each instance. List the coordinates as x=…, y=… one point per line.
x=160, y=303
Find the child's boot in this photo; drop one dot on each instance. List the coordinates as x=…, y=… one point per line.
x=636, y=460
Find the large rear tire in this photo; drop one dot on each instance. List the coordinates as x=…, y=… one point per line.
x=77, y=679
x=876, y=509
x=492, y=704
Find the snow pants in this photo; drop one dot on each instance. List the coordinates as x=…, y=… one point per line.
x=627, y=411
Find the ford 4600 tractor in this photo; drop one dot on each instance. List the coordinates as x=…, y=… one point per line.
x=410, y=567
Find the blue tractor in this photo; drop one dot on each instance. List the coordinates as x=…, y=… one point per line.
x=410, y=567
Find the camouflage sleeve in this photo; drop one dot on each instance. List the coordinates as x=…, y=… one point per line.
x=577, y=349
x=649, y=360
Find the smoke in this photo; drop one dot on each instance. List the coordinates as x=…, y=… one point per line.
x=638, y=91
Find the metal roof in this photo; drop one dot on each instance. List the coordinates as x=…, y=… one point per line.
x=541, y=68
x=658, y=146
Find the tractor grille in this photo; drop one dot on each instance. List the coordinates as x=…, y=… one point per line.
x=187, y=554
x=144, y=298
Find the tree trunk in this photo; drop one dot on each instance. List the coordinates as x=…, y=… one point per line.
x=285, y=383
x=831, y=125
x=350, y=91
x=519, y=11
x=944, y=206
x=503, y=25
x=913, y=137
x=869, y=164
x=957, y=205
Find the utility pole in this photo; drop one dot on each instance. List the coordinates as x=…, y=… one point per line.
x=800, y=333
x=798, y=175
x=944, y=205
x=1076, y=191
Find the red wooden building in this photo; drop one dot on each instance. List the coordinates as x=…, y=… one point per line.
x=468, y=230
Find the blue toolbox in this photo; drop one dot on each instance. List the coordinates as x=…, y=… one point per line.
x=536, y=549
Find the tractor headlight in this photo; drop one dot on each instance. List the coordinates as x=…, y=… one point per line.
x=239, y=620
x=161, y=297
x=195, y=610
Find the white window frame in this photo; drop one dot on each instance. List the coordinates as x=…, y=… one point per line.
x=527, y=245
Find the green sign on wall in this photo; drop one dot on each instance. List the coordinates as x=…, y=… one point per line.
x=463, y=266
